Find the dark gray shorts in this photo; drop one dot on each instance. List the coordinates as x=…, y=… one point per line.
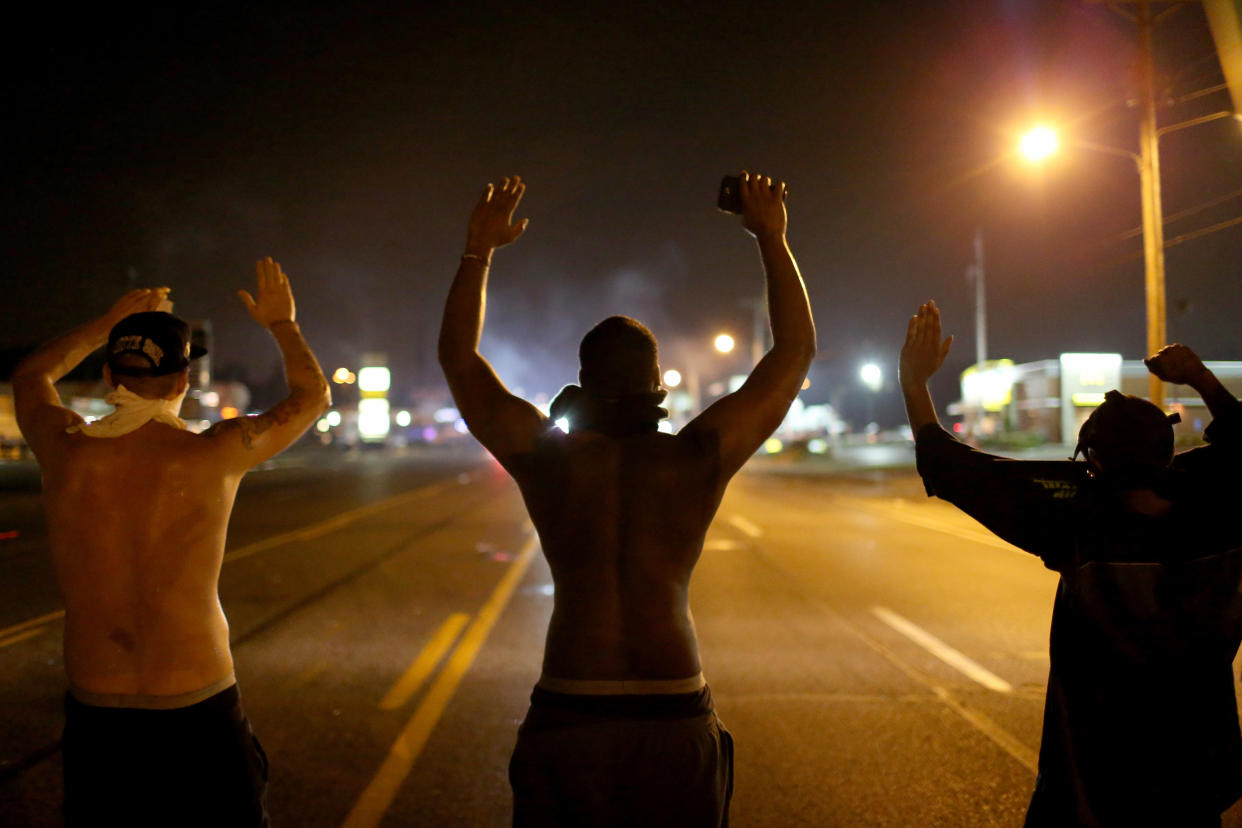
x=199, y=765
x=622, y=761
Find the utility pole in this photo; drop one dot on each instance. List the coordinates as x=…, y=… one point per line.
x=1147, y=160
x=1149, y=184
x=975, y=272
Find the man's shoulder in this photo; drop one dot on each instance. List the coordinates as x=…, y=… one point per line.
x=156, y=443
x=587, y=451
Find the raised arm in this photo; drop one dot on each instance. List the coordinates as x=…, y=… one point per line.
x=505, y=424
x=921, y=356
x=742, y=420
x=40, y=415
x=1026, y=503
x=251, y=440
x=1178, y=364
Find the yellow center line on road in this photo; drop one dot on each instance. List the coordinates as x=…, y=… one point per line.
x=4, y=642
x=382, y=790
x=25, y=625
x=413, y=678
x=340, y=521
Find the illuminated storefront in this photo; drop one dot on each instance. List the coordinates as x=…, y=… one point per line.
x=1042, y=402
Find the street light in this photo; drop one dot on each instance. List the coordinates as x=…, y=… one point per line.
x=724, y=343
x=672, y=378
x=871, y=376
x=1147, y=162
x=1147, y=159
x=1039, y=143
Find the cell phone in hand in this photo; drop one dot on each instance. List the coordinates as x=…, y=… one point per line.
x=730, y=198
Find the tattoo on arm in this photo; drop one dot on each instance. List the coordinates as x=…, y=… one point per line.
x=307, y=389
x=252, y=427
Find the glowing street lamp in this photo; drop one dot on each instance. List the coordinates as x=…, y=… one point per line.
x=1147, y=162
x=724, y=343
x=871, y=376
x=672, y=378
x=1039, y=143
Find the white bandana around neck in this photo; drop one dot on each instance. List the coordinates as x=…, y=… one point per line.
x=132, y=413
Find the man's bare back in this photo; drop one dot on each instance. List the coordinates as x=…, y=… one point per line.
x=622, y=524
x=137, y=528
x=622, y=521
x=137, y=522
x=622, y=728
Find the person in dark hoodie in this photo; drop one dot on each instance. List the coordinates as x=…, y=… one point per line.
x=621, y=729
x=1140, y=720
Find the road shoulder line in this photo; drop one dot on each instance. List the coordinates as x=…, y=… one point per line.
x=745, y=526
x=956, y=659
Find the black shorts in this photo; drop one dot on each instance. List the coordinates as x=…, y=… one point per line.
x=658, y=761
x=199, y=765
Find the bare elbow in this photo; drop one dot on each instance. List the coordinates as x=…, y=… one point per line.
x=318, y=396
x=24, y=372
x=445, y=355
x=449, y=353
x=807, y=345
x=798, y=349
x=454, y=358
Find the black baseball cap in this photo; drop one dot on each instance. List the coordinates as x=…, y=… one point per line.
x=159, y=340
x=1129, y=433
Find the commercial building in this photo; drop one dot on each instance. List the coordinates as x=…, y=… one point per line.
x=1048, y=400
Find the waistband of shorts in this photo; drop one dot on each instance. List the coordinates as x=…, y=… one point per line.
x=551, y=709
x=622, y=687
x=141, y=701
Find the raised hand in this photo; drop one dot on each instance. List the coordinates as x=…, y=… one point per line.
x=1176, y=363
x=273, y=302
x=763, y=205
x=136, y=301
x=491, y=223
x=923, y=353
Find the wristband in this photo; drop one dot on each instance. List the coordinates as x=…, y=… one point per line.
x=475, y=256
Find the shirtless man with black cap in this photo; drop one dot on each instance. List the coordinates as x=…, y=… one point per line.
x=621, y=728
x=137, y=511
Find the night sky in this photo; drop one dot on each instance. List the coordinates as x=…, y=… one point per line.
x=177, y=146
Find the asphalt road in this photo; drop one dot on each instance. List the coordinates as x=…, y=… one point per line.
x=879, y=658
